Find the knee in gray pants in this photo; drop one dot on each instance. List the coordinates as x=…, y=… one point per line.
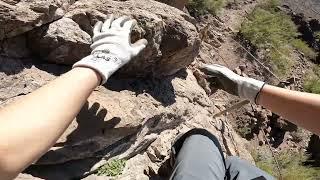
x=242, y=170
x=199, y=157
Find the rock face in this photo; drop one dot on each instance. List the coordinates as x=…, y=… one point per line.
x=62, y=41
x=180, y=4
x=19, y=16
x=173, y=39
x=134, y=119
x=123, y=119
x=59, y=31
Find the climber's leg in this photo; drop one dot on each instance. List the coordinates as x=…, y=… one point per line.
x=238, y=169
x=198, y=157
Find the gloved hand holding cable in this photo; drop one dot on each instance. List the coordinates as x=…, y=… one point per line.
x=298, y=107
x=111, y=48
x=246, y=88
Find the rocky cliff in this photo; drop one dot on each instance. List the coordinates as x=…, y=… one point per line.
x=136, y=115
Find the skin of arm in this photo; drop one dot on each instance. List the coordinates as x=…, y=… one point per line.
x=31, y=125
x=300, y=108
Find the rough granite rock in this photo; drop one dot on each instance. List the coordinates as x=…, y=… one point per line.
x=26, y=177
x=60, y=41
x=123, y=119
x=180, y=4
x=19, y=16
x=173, y=39
x=134, y=119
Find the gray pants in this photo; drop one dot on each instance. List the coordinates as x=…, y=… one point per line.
x=199, y=158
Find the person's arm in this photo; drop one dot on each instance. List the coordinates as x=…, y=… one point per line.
x=300, y=108
x=31, y=125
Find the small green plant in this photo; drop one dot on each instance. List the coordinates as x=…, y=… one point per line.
x=291, y=165
x=317, y=35
x=279, y=60
x=312, y=85
x=206, y=6
x=243, y=131
x=112, y=168
x=303, y=47
x=312, y=81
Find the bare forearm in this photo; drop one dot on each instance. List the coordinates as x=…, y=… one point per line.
x=300, y=108
x=36, y=121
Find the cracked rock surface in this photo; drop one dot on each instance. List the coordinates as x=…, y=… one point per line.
x=136, y=115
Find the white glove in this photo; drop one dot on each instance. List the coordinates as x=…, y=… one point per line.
x=246, y=88
x=111, y=48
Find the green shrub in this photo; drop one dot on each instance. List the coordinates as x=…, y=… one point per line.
x=279, y=60
x=112, y=168
x=303, y=47
x=243, y=131
x=312, y=81
x=264, y=28
x=312, y=85
x=206, y=6
x=291, y=166
x=273, y=30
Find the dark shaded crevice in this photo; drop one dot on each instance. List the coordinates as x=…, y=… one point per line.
x=307, y=30
x=224, y=140
x=314, y=150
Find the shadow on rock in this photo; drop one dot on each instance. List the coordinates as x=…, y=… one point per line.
x=80, y=152
x=64, y=171
x=126, y=147
x=11, y=66
x=54, y=69
x=91, y=123
x=160, y=89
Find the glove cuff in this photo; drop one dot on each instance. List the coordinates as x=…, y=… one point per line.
x=105, y=64
x=250, y=89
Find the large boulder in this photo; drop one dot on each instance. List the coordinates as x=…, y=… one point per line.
x=180, y=4
x=61, y=42
x=173, y=39
x=19, y=16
